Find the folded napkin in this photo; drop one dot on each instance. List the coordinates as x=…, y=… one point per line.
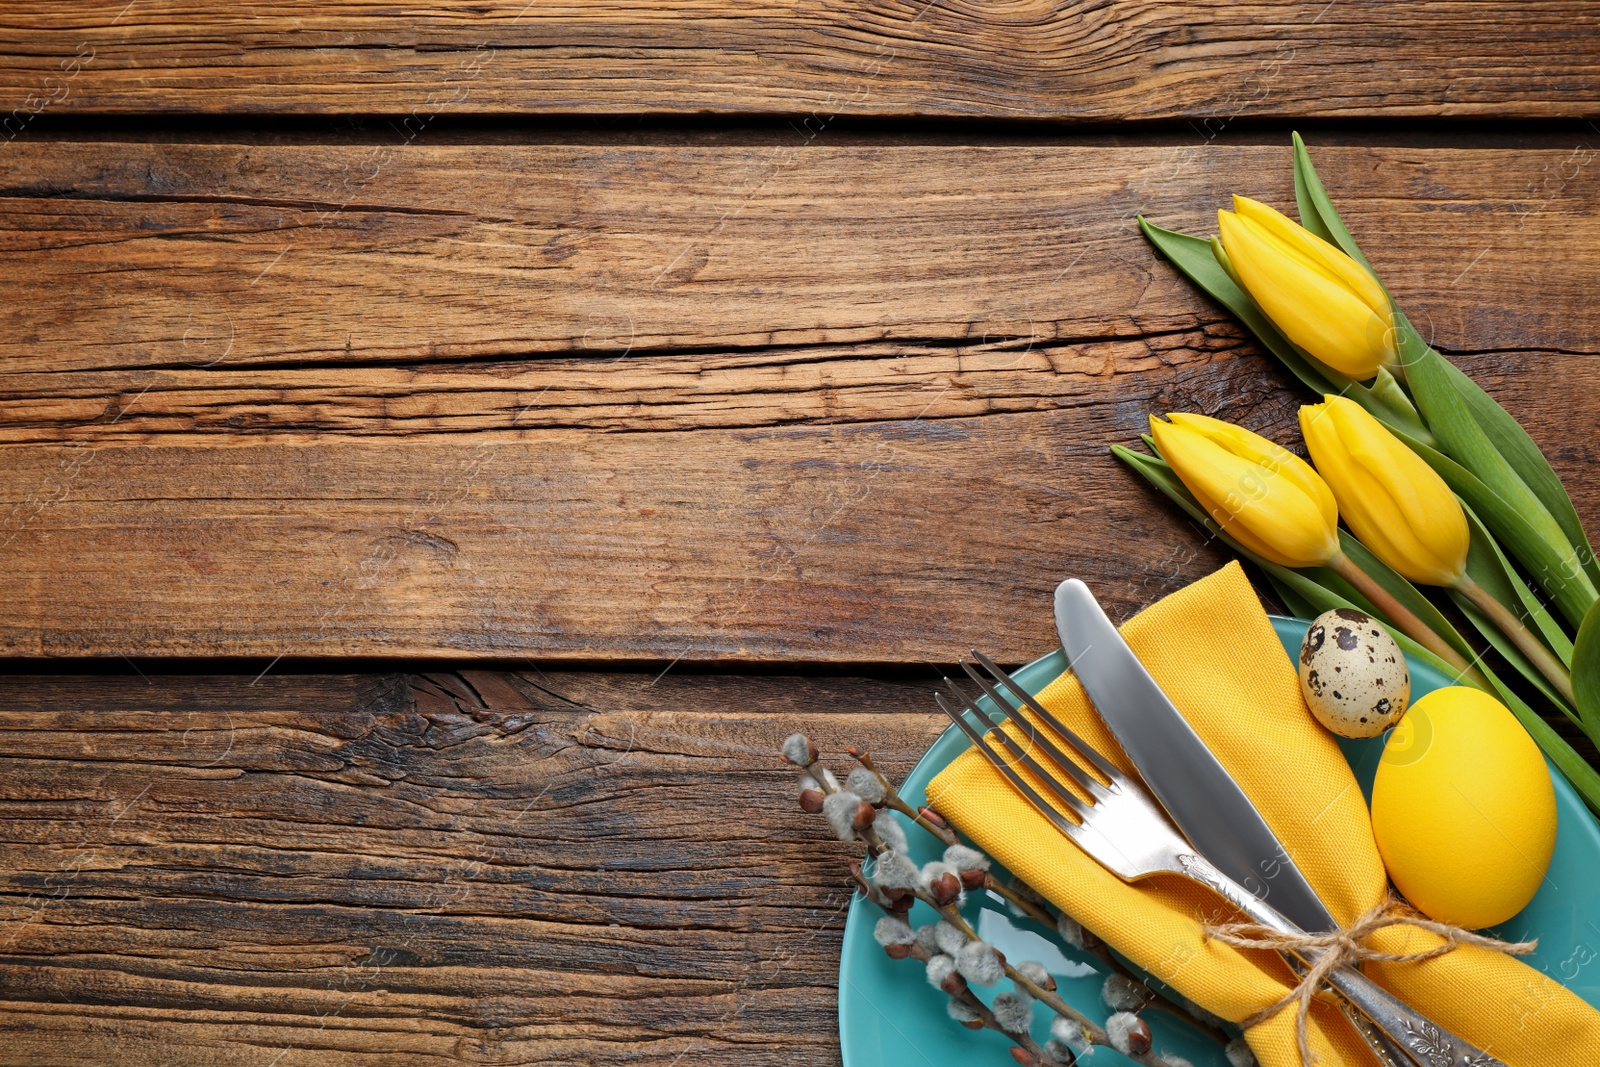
x=1213, y=650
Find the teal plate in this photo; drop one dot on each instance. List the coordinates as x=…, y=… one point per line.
x=890, y=1017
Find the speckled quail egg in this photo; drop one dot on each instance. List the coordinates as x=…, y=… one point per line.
x=1352, y=674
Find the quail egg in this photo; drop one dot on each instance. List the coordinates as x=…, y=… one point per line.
x=1352, y=674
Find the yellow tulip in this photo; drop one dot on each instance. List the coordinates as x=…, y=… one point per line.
x=1264, y=496
x=1390, y=498
x=1320, y=298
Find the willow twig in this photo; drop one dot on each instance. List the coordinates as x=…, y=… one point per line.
x=850, y=809
x=1037, y=912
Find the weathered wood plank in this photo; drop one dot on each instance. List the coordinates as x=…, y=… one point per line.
x=481, y=868
x=1201, y=59
x=198, y=256
x=877, y=458
x=886, y=541
x=1213, y=367
x=544, y=867
x=503, y=401
x=894, y=541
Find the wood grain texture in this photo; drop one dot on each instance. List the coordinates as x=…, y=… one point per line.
x=202, y=256
x=469, y=409
x=848, y=544
x=479, y=868
x=1208, y=60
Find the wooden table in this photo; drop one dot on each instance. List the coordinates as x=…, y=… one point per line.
x=443, y=450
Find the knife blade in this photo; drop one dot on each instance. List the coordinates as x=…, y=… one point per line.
x=1199, y=794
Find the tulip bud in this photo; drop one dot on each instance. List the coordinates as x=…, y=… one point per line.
x=1389, y=496
x=1264, y=496
x=1321, y=299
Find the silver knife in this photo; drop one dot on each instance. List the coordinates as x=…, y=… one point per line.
x=1194, y=787
x=1199, y=794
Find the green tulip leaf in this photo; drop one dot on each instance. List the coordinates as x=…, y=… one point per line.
x=1510, y=526
x=1586, y=671
x=1512, y=655
x=1317, y=212
x=1393, y=394
x=1488, y=566
x=1298, y=606
x=1583, y=777
x=1512, y=510
x=1530, y=464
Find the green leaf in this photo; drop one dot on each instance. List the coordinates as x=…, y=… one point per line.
x=1586, y=671
x=1489, y=567
x=1310, y=211
x=1314, y=203
x=1524, y=457
x=1583, y=777
x=1299, y=607
x=1513, y=511
x=1393, y=395
x=1513, y=655
x=1205, y=264
x=1506, y=522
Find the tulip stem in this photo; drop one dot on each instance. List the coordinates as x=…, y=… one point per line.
x=1520, y=635
x=1403, y=618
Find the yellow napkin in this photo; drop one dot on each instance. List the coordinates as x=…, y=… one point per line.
x=1213, y=650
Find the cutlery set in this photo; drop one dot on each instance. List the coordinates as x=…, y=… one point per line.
x=1199, y=824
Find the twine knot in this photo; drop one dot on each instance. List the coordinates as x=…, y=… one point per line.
x=1347, y=948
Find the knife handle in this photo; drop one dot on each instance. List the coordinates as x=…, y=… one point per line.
x=1426, y=1042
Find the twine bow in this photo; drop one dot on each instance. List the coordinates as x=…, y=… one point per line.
x=1341, y=948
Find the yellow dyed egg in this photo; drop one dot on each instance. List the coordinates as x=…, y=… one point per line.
x=1463, y=809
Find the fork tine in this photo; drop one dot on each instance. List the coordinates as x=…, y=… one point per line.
x=1066, y=762
x=1051, y=786
x=1039, y=804
x=1103, y=765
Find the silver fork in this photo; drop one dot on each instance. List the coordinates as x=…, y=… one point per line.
x=1124, y=829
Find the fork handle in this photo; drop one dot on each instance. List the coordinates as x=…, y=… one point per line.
x=1425, y=1041
x=1387, y=1052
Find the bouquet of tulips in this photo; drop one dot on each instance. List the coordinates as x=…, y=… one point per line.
x=1436, y=483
